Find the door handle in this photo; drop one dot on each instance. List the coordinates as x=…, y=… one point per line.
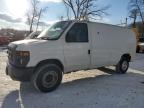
x=89, y=51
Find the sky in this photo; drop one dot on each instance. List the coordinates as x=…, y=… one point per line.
x=13, y=12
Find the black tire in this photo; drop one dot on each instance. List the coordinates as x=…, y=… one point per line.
x=122, y=66
x=47, y=77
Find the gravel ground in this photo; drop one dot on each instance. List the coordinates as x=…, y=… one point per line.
x=100, y=88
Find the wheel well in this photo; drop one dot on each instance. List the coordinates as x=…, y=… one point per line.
x=52, y=61
x=127, y=56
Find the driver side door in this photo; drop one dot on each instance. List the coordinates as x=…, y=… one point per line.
x=76, y=48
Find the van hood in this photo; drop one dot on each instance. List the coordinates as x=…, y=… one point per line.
x=29, y=41
x=26, y=44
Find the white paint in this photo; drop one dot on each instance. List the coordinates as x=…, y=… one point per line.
x=106, y=42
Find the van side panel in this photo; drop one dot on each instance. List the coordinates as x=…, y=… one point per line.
x=109, y=43
x=99, y=53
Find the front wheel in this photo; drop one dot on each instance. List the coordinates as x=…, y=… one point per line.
x=47, y=78
x=122, y=66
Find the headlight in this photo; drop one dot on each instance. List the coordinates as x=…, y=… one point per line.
x=22, y=53
x=21, y=58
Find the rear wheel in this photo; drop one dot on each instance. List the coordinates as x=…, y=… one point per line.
x=47, y=78
x=122, y=66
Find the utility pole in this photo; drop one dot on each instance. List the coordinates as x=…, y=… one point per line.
x=126, y=22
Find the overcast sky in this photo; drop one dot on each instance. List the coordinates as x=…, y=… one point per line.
x=12, y=12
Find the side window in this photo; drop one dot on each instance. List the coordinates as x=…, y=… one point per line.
x=77, y=33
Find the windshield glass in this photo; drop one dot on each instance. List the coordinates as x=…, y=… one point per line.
x=54, y=31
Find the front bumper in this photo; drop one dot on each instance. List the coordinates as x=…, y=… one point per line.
x=19, y=73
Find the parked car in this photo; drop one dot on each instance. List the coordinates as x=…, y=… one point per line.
x=4, y=40
x=33, y=35
x=69, y=46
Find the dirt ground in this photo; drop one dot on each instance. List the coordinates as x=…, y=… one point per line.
x=100, y=88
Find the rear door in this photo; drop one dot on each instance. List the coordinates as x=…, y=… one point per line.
x=76, y=48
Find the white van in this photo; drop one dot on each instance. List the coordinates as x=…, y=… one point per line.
x=69, y=46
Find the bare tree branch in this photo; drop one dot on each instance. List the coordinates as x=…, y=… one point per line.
x=83, y=9
x=34, y=14
x=136, y=9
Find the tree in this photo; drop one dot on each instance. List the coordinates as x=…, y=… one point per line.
x=40, y=13
x=136, y=8
x=67, y=11
x=134, y=15
x=34, y=14
x=85, y=9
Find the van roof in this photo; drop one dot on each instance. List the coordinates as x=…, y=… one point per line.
x=84, y=21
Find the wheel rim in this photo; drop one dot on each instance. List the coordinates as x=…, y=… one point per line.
x=49, y=79
x=124, y=65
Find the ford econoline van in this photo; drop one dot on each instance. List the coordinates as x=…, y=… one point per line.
x=69, y=46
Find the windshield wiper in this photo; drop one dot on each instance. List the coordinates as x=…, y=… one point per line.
x=47, y=38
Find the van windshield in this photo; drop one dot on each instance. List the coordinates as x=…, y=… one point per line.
x=55, y=31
